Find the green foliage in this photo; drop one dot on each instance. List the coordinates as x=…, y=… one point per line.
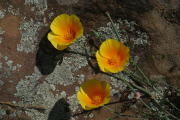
x=164, y=56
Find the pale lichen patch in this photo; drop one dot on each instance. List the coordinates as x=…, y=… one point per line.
x=131, y=96
x=61, y=75
x=139, y=37
x=41, y=5
x=113, y=92
x=2, y=112
x=9, y=63
x=1, y=32
x=29, y=38
x=67, y=2
x=2, y=13
x=33, y=93
x=12, y=10
x=1, y=83
x=91, y=115
x=117, y=83
x=77, y=88
x=74, y=103
x=79, y=60
x=80, y=78
x=51, y=14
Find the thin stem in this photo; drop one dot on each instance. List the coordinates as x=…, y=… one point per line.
x=115, y=30
x=166, y=99
x=97, y=35
x=85, y=48
x=141, y=72
x=36, y=107
x=149, y=107
x=132, y=73
x=112, y=110
x=126, y=116
x=144, y=75
x=164, y=109
x=128, y=85
x=145, y=104
x=142, y=89
x=119, y=114
x=147, y=114
x=136, y=76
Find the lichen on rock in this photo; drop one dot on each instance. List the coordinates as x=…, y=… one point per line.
x=2, y=13
x=74, y=102
x=41, y=5
x=129, y=33
x=1, y=32
x=29, y=38
x=33, y=93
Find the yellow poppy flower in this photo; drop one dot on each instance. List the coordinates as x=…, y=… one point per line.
x=112, y=56
x=65, y=30
x=93, y=94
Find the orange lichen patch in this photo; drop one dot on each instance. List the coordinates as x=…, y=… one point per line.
x=93, y=94
x=65, y=30
x=112, y=56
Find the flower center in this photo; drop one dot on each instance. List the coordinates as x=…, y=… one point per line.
x=69, y=36
x=112, y=62
x=97, y=100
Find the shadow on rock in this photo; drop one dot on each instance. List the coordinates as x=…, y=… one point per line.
x=60, y=111
x=47, y=56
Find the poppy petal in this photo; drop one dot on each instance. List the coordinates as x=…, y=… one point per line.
x=76, y=26
x=83, y=99
x=109, y=48
x=112, y=56
x=54, y=39
x=102, y=62
x=61, y=24
x=93, y=94
x=65, y=30
x=88, y=85
x=105, y=88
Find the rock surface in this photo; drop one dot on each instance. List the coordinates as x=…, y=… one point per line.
x=34, y=73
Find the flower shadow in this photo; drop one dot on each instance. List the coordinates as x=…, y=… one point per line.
x=60, y=111
x=47, y=56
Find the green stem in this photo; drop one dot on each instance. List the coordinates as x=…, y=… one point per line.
x=115, y=30
x=145, y=104
x=97, y=35
x=166, y=99
x=164, y=109
x=119, y=114
x=132, y=73
x=128, y=85
x=149, y=107
x=141, y=72
x=144, y=75
x=147, y=114
x=112, y=110
x=135, y=76
x=142, y=89
x=85, y=48
x=126, y=116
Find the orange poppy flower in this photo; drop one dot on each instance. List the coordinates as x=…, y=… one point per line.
x=65, y=30
x=93, y=94
x=112, y=56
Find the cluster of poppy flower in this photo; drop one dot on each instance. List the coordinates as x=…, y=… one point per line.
x=112, y=57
